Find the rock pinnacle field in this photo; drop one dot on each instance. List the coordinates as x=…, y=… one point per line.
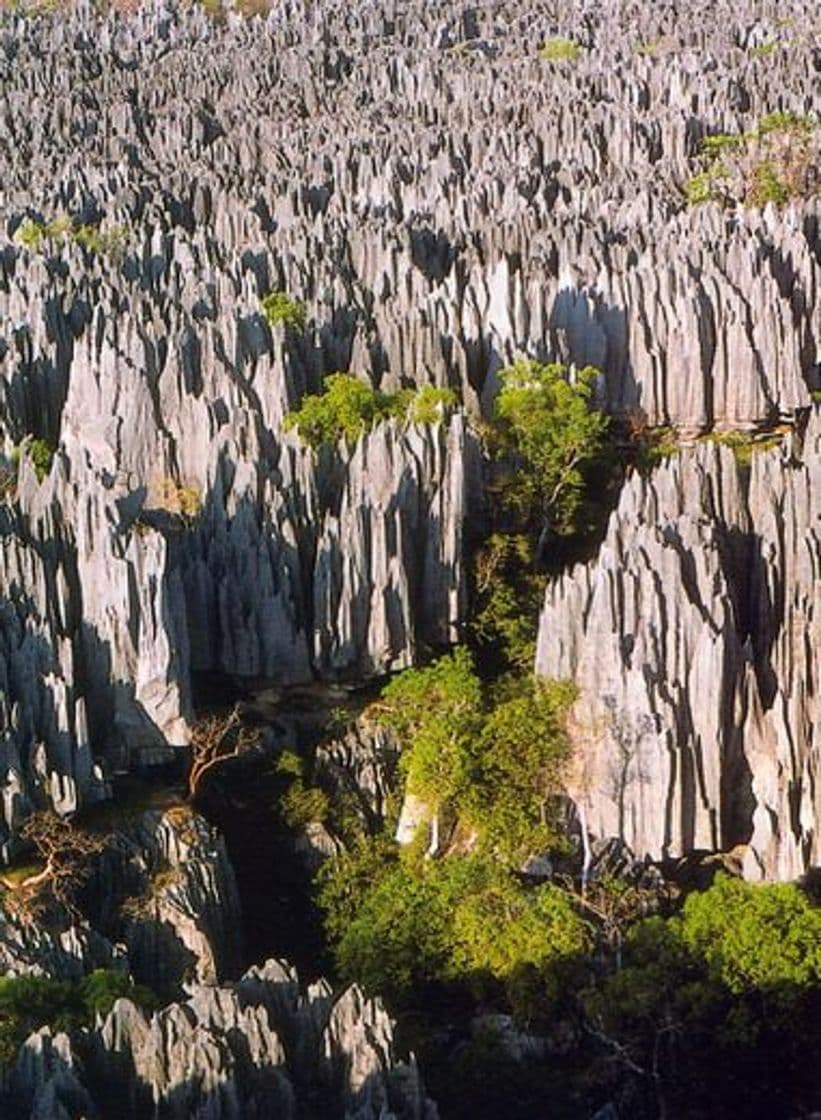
x=410, y=567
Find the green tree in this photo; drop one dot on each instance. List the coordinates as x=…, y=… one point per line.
x=282, y=311
x=347, y=407
x=552, y=435
x=521, y=749
x=399, y=938
x=509, y=594
x=500, y=927
x=30, y=1002
x=755, y=937
x=430, y=404
x=437, y=714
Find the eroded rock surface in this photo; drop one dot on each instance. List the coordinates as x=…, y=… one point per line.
x=691, y=636
x=262, y=1046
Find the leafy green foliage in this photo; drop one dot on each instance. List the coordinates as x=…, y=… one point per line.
x=348, y=407
x=772, y=163
x=553, y=435
x=560, y=49
x=750, y=937
x=509, y=593
x=41, y=455
x=496, y=763
x=282, y=311
x=30, y=1002
x=299, y=803
x=36, y=236
x=430, y=404
x=501, y=928
x=463, y=919
x=437, y=714
x=744, y=445
x=718, y=986
x=520, y=753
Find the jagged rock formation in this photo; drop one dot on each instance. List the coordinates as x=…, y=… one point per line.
x=441, y=198
x=692, y=638
x=260, y=1047
x=161, y=903
x=258, y=1050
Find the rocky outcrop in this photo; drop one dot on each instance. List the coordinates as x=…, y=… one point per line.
x=263, y=1046
x=691, y=638
x=161, y=903
x=256, y=1049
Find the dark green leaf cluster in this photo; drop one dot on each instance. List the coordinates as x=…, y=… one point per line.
x=710, y=989
x=508, y=596
x=349, y=407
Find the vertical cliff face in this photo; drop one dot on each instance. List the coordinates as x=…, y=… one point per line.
x=691, y=637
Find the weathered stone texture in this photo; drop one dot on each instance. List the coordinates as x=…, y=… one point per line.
x=692, y=636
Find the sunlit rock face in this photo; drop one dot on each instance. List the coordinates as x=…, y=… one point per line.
x=692, y=636
x=442, y=199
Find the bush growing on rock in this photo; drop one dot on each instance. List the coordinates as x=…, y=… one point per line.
x=37, y=235
x=349, y=407
x=30, y=1002
x=550, y=429
x=775, y=162
x=282, y=311
x=560, y=49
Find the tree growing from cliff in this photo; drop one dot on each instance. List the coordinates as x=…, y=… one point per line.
x=66, y=852
x=552, y=434
x=437, y=714
x=519, y=753
x=214, y=740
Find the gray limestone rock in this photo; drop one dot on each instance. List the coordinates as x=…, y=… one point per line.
x=696, y=727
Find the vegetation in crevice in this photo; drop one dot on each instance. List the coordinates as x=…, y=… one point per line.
x=775, y=162
x=348, y=407
x=30, y=1002
x=39, y=236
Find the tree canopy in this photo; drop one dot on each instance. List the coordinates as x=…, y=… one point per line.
x=547, y=420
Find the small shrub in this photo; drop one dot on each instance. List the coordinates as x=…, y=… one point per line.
x=348, y=408
x=431, y=404
x=30, y=1002
x=185, y=501
x=41, y=454
x=552, y=435
x=560, y=49
x=774, y=163
x=744, y=444
x=282, y=311
x=301, y=805
x=35, y=235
